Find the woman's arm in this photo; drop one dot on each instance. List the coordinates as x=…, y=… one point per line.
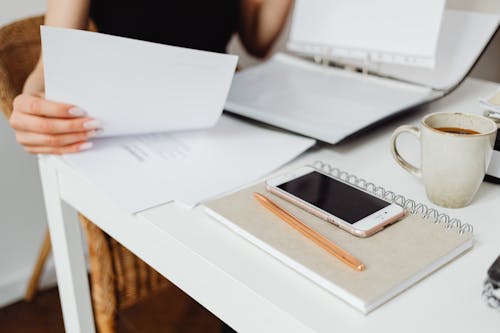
x=48, y=127
x=60, y=13
x=261, y=22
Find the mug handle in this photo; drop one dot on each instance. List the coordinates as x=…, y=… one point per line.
x=397, y=156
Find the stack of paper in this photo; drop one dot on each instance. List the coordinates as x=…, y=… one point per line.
x=140, y=172
x=139, y=87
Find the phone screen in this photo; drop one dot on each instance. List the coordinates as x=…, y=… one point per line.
x=334, y=197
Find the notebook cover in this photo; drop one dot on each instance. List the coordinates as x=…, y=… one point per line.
x=395, y=258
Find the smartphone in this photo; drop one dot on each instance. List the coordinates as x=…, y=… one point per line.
x=353, y=210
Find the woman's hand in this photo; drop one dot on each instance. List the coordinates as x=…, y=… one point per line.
x=46, y=127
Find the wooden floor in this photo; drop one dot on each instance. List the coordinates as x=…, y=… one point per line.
x=171, y=311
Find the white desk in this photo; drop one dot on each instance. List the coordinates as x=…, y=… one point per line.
x=252, y=291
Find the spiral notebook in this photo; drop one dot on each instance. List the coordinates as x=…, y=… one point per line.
x=395, y=258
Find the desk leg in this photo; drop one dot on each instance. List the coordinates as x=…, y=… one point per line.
x=69, y=257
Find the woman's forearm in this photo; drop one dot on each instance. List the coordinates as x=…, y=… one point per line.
x=261, y=23
x=72, y=14
x=34, y=84
x=271, y=19
x=60, y=13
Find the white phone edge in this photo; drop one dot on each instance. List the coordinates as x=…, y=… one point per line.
x=365, y=227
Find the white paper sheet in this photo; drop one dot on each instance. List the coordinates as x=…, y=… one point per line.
x=133, y=86
x=139, y=172
x=391, y=31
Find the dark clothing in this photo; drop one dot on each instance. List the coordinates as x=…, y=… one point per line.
x=204, y=25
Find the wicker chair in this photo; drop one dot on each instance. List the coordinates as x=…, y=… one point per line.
x=118, y=278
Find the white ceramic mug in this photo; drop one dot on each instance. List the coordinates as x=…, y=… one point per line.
x=453, y=165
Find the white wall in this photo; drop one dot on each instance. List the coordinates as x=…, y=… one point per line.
x=22, y=223
x=23, y=218
x=11, y=10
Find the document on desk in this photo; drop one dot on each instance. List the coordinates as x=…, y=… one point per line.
x=133, y=86
x=139, y=172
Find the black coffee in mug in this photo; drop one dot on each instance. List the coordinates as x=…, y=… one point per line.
x=457, y=130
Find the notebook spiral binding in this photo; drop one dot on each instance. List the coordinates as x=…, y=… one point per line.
x=410, y=205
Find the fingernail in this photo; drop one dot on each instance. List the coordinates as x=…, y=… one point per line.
x=91, y=134
x=85, y=146
x=77, y=112
x=91, y=124
x=94, y=133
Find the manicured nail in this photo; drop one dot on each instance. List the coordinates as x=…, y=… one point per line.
x=94, y=133
x=91, y=134
x=91, y=124
x=77, y=112
x=85, y=146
